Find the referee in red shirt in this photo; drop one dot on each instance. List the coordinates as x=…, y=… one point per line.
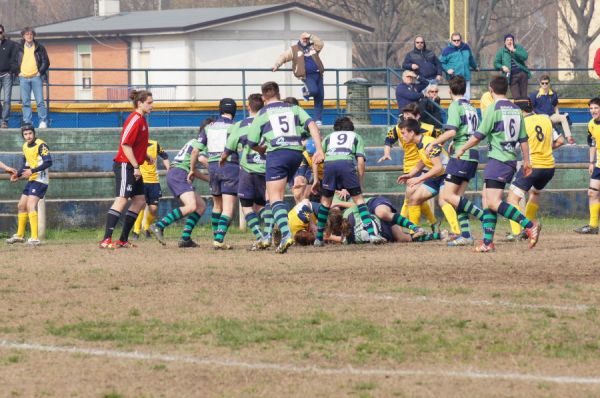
x=129, y=184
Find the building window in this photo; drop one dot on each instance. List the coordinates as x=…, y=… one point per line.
x=83, y=79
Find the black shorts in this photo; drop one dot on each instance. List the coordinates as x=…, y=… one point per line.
x=538, y=179
x=126, y=186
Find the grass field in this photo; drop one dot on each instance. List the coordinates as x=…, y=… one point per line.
x=401, y=320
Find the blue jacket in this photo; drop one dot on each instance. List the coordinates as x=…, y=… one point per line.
x=407, y=94
x=543, y=104
x=429, y=64
x=458, y=58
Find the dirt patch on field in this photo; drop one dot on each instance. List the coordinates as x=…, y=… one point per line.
x=420, y=306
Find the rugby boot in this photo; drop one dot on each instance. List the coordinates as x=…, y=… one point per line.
x=157, y=232
x=221, y=246
x=106, y=244
x=586, y=229
x=33, y=242
x=187, y=243
x=15, y=239
x=377, y=240
x=461, y=241
x=318, y=243
x=135, y=236
x=533, y=233
x=119, y=244
x=483, y=248
x=285, y=244
x=264, y=243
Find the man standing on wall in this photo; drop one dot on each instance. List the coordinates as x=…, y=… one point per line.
x=8, y=51
x=308, y=67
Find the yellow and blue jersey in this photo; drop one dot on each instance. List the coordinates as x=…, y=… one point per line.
x=307, y=160
x=301, y=215
x=594, y=138
x=437, y=151
x=540, y=135
x=36, y=156
x=411, y=155
x=150, y=171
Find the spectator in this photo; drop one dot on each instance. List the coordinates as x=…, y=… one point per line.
x=424, y=63
x=597, y=62
x=407, y=91
x=33, y=63
x=430, y=106
x=511, y=60
x=8, y=50
x=545, y=102
x=308, y=67
x=457, y=60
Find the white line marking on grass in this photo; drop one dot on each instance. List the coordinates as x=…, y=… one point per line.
x=289, y=368
x=480, y=303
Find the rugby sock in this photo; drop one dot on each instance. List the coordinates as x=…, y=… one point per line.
x=428, y=213
x=130, y=218
x=22, y=218
x=267, y=218
x=465, y=227
x=214, y=222
x=112, y=218
x=466, y=206
x=512, y=213
x=451, y=217
x=414, y=214
x=254, y=224
x=365, y=217
x=170, y=218
x=137, y=227
x=222, y=228
x=428, y=237
x=404, y=209
x=489, y=226
x=531, y=211
x=594, y=213
x=190, y=223
x=33, y=224
x=322, y=215
x=403, y=222
x=149, y=220
x=281, y=217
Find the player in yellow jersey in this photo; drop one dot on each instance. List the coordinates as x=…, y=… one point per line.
x=594, y=168
x=152, y=190
x=304, y=178
x=425, y=179
x=411, y=155
x=36, y=161
x=542, y=139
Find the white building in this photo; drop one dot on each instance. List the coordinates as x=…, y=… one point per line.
x=213, y=38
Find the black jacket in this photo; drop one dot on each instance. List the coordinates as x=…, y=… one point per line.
x=41, y=57
x=8, y=52
x=429, y=64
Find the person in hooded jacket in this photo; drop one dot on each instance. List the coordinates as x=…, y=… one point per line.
x=457, y=60
x=424, y=63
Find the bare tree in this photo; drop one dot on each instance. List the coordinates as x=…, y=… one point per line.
x=577, y=16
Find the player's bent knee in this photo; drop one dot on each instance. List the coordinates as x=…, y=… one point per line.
x=517, y=191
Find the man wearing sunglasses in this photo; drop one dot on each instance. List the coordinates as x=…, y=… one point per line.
x=545, y=102
x=424, y=63
x=8, y=51
x=457, y=60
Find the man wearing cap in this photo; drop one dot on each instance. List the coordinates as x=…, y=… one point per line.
x=511, y=60
x=407, y=92
x=308, y=67
x=223, y=179
x=8, y=52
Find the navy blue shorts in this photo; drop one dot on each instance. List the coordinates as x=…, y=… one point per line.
x=251, y=186
x=538, y=179
x=35, y=188
x=126, y=186
x=596, y=174
x=223, y=180
x=177, y=181
x=340, y=174
x=282, y=163
x=501, y=172
x=386, y=231
x=373, y=203
x=305, y=171
x=153, y=193
x=463, y=170
x=434, y=184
